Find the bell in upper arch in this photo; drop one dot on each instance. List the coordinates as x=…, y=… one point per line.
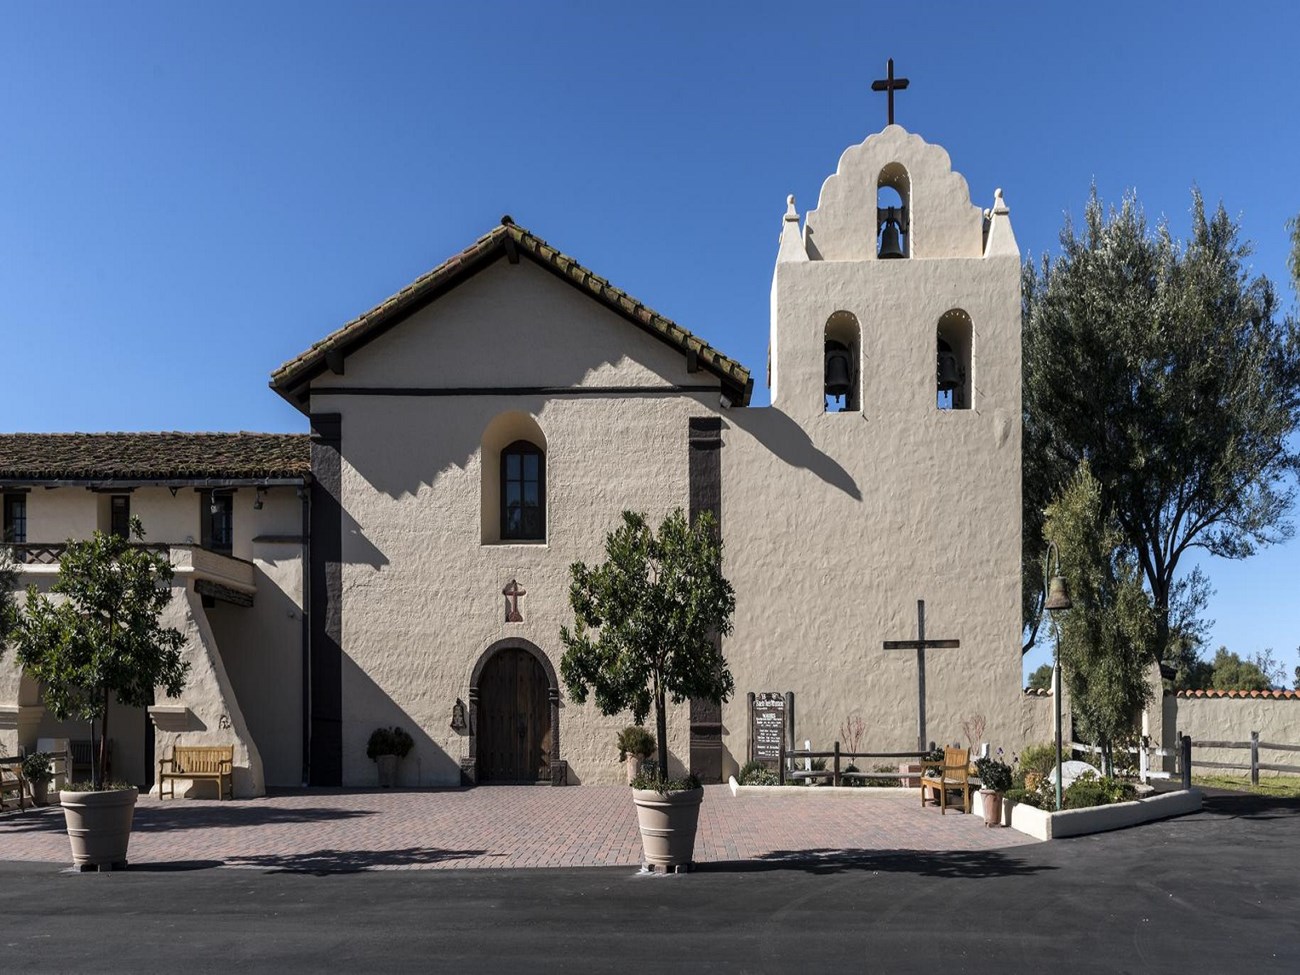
x=839, y=369
x=891, y=243
x=949, y=373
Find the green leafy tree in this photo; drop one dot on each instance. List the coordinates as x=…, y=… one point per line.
x=1106, y=637
x=1041, y=679
x=1162, y=364
x=103, y=637
x=8, y=604
x=1293, y=262
x=1231, y=673
x=647, y=621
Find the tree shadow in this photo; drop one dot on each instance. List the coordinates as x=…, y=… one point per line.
x=1249, y=805
x=968, y=864
x=323, y=862
x=166, y=817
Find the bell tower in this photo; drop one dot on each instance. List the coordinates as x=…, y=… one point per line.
x=888, y=466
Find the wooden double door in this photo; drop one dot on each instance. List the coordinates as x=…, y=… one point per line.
x=514, y=719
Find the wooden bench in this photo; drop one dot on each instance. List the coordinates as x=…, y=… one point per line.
x=954, y=776
x=13, y=787
x=199, y=762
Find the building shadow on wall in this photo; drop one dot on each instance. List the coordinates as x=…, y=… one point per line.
x=368, y=706
x=789, y=442
x=825, y=860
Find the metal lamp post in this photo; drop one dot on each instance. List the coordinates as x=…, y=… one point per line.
x=1058, y=598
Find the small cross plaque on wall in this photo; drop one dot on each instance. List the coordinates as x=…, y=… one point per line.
x=513, y=593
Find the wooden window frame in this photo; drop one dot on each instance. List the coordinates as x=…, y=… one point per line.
x=114, y=502
x=8, y=532
x=524, y=448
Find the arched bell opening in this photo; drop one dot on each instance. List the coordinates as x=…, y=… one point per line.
x=953, y=375
x=893, y=213
x=841, y=358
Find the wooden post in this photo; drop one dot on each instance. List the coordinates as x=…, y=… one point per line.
x=749, y=709
x=1254, y=758
x=835, y=772
x=1185, y=759
x=780, y=765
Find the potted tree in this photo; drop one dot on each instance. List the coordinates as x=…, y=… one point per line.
x=995, y=780
x=635, y=746
x=37, y=771
x=388, y=746
x=102, y=639
x=647, y=625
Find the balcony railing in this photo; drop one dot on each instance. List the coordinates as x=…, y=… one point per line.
x=45, y=553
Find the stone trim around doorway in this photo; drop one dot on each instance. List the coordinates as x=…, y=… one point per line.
x=469, y=763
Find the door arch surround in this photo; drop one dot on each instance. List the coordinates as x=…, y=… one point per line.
x=470, y=769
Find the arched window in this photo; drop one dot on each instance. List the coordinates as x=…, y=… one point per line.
x=512, y=459
x=953, y=376
x=842, y=355
x=893, y=213
x=523, y=492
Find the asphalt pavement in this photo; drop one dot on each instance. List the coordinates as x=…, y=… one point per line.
x=1217, y=891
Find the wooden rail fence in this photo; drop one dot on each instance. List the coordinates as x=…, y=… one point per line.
x=1253, y=767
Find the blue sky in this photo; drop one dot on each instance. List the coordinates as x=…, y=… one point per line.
x=191, y=194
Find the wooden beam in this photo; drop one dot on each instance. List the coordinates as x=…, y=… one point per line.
x=334, y=360
x=692, y=361
x=215, y=590
x=512, y=251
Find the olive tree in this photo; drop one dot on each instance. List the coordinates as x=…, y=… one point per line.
x=647, y=621
x=1106, y=637
x=103, y=636
x=1163, y=364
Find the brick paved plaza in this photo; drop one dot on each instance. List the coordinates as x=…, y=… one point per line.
x=503, y=827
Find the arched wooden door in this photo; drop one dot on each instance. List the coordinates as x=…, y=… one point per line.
x=514, y=719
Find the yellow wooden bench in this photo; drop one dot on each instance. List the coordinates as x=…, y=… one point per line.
x=954, y=776
x=199, y=762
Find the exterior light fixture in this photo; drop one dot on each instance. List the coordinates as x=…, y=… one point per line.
x=1058, y=600
x=257, y=502
x=458, y=715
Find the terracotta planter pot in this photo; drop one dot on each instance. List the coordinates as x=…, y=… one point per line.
x=668, y=822
x=992, y=802
x=99, y=826
x=387, y=771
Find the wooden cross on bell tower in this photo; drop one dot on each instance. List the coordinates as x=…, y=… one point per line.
x=890, y=85
x=920, y=645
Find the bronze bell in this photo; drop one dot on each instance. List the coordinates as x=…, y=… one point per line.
x=1058, y=596
x=839, y=369
x=949, y=373
x=891, y=245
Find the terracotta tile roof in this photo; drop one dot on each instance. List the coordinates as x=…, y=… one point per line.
x=153, y=456
x=507, y=239
x=1279, y=695
x=1037, y=692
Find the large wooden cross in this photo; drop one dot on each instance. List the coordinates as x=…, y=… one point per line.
x=920, y=645
x=890, y=85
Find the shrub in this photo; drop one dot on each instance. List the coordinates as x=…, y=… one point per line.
x=1026, y=796
x=36, y=767
x=994, y=773
x=884, y=783
x=651, y=780
x=635, y=740
x=389, y=741
x=1089, y=790
x=1039, y=758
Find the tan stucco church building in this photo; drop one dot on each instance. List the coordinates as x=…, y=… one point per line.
x=408, y=562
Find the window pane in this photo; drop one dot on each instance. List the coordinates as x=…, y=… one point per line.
x=512, y=494
x=512, y=466
x=530, y=493
x=530, y=466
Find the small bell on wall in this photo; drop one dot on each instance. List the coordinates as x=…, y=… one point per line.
x=948, y=371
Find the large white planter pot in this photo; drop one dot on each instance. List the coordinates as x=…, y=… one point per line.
x=99, y=825
x=668, y=822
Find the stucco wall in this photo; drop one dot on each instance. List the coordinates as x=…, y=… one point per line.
x=1233, y=719
x=422, y=593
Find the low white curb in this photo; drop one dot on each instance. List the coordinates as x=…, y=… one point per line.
x=883, y=792
x=1044, y=825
